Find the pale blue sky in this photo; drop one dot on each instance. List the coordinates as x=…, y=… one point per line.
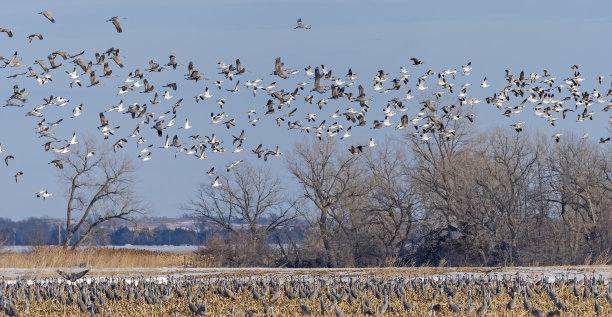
x=363, y=35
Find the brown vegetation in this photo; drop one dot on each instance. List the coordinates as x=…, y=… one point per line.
x=54, y=257
x=500, y=198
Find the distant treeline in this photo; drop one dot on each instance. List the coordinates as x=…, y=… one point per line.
x=45, y=231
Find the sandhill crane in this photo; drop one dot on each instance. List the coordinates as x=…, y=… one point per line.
x=115, y=21
x=47, y=14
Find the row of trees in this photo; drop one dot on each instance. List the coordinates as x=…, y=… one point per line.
x=466, y=198
x=496, y=198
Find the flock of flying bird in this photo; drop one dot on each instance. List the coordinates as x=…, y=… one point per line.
x=435, y=114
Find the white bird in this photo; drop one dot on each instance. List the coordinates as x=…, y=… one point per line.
x=484, y=83
x=216, y=183
x=73, y=75
x=44, y=194
x=229, y=167
x=346, y=134
x=62, y=150
x=421, y=86
x=77, y=111
x=186, y=126
x=207, y=93
x=167, y=95
x=372, y=144
x=73, y=140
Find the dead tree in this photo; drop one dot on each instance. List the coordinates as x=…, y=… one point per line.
x=99, y=188
x=392, y=200
x=248, y=195
x=328, y=177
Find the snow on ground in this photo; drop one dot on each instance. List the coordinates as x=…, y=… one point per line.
x=161, y=274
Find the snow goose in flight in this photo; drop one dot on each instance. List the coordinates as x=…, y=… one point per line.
x=63, y=150
x=466, y=69
x=216, y=183
x=77, y=111
x=301, y=25
x=43, y=194
x=239, y=138
x=235, y=90
x=229, y=167
x=421, y=86
x=484, y=83
x=186, y=126
x=73, y=140
x=167, y=144
x=147, y=157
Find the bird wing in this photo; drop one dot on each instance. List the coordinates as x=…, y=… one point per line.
x=48, y=16
x=78, y=275
x=117, y=25
x=63, y=274
x=103, y=121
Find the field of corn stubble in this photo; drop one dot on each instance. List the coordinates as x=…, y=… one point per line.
x=271, y=294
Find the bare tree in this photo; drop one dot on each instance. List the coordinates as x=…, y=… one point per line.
x=99, y=188
x=392, y=201
x=508, y=186
x=329, y=178
x=581, y=180
x=248, y=195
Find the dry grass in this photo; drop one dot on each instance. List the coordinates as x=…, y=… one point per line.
x=51, y=257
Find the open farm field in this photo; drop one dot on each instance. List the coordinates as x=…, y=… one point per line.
x=181, y=291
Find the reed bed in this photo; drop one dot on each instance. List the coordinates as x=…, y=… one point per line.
x=54, y=257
